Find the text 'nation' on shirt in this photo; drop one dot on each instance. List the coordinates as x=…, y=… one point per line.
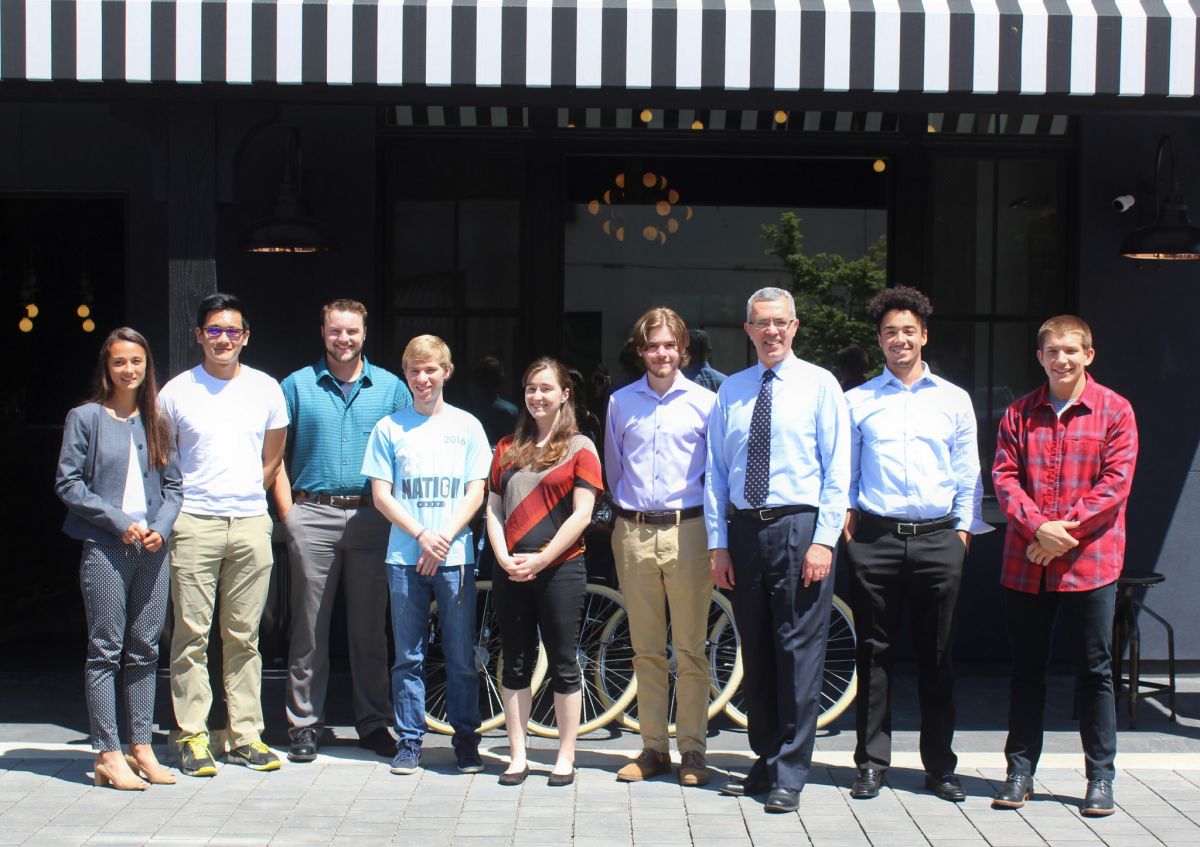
x=428, y=460
x=810, y=447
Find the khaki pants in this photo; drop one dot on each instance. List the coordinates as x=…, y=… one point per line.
x=661, y=567
x=229, y=559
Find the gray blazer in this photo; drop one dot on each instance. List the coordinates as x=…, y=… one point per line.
x=92, y=466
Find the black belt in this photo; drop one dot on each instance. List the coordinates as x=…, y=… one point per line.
x=907, y=528
x=671, y=517
x=341, y=501
x=770, y=513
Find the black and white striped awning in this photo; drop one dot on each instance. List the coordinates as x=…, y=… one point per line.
x=1082, y=47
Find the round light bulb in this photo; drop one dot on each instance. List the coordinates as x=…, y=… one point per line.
x=663, y=208
x=89, y=325
x=648, y=179
x=593, y=207
x=620, y=233
x=879, y=166
x=697, y=124
x=650, y=233
x=31, y=310
x=672, y=196
x=781, y=117
x=646, y=116
x=25, y=325
x=83, y=311
x=672, y=226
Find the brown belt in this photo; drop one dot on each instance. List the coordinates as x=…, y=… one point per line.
x=668, y=517
x=341, y=501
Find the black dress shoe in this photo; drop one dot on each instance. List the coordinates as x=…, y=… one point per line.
x=304, y=745
x=782, y=800
x=1098, y=801
x=558, y=780
x=866, y=784
x=744, y=787
x=946, y=787
x=514, y=778
x=1017, y=788
x=379, y=741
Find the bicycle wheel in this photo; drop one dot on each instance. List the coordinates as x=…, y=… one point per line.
x=724, y=660
x=600, y=605
x=487, y=663
x=839, y=683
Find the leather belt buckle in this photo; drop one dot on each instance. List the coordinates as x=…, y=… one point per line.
x=766, y=515
x=343, y=502
x=906, y=529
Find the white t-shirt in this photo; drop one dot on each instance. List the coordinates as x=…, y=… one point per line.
x=220, y=426
x=428, y=461
x=133, y=503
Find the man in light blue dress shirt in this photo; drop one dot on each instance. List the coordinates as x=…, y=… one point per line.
x=776, y=488
x=654, y=456
x=915, y=496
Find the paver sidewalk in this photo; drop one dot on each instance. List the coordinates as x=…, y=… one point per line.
x=342, y=799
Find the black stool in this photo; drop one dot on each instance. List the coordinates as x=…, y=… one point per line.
x=1126, y=632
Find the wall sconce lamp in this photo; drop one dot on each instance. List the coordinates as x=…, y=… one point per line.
x=289, y=230
x=1171, y=236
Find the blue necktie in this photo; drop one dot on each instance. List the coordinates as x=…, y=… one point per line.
x=758, y=448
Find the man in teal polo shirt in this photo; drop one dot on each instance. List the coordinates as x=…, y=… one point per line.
x=334, y=531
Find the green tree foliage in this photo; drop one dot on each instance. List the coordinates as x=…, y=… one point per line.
x=831, y=293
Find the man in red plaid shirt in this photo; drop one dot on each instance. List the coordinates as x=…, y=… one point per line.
x=1064, y=464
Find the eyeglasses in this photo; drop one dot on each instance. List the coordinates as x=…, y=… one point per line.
x=778, y=323
x=233, y=333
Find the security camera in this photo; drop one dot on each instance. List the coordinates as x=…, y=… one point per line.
x=1123, y=203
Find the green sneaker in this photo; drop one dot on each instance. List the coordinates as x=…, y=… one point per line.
x=256, y=756
x=195, y=756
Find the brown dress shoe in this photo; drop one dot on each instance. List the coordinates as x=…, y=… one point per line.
x=693, y=770
x=647, y=764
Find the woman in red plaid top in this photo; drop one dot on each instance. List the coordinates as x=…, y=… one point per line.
x=1064, y=464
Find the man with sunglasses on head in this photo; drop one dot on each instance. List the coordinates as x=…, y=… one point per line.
x=230, y=424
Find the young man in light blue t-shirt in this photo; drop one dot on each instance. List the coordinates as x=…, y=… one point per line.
x=428, y=464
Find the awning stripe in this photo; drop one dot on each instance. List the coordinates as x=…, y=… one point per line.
x=1080, y=47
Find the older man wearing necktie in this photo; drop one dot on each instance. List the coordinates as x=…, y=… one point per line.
x=776, y=487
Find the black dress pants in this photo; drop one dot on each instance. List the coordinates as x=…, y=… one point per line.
x=1088, y=618
x=783, y=627
x=887, y=572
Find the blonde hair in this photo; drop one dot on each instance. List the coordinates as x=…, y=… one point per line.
x=426, y=347
x=1061, y=325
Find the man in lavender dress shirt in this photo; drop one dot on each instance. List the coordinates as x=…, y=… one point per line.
x=654, y=451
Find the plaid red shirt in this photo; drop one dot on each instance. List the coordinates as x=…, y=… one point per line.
x=1075, y=468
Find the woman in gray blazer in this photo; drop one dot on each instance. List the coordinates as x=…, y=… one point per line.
x=122, y=488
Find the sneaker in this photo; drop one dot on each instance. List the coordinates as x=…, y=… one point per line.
x=467, y=758
x=195, y=756
x=407, y=760
x=256, y=756
x=647, y=764
x=693, y=770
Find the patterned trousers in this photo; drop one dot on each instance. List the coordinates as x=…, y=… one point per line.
x=125, y=598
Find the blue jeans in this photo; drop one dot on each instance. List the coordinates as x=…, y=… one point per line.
x=454, y=590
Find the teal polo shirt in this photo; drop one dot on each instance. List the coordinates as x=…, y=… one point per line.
x=327, y=438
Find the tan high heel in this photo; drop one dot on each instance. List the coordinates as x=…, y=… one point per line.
x=162, y=776
x=105, y=778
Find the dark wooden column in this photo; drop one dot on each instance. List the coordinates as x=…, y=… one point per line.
x=191, y=222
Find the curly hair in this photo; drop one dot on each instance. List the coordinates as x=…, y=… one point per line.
x=902, y=298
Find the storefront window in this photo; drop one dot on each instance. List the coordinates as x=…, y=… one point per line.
x=689, y=233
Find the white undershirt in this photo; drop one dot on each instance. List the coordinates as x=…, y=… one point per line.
x=134, y=501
